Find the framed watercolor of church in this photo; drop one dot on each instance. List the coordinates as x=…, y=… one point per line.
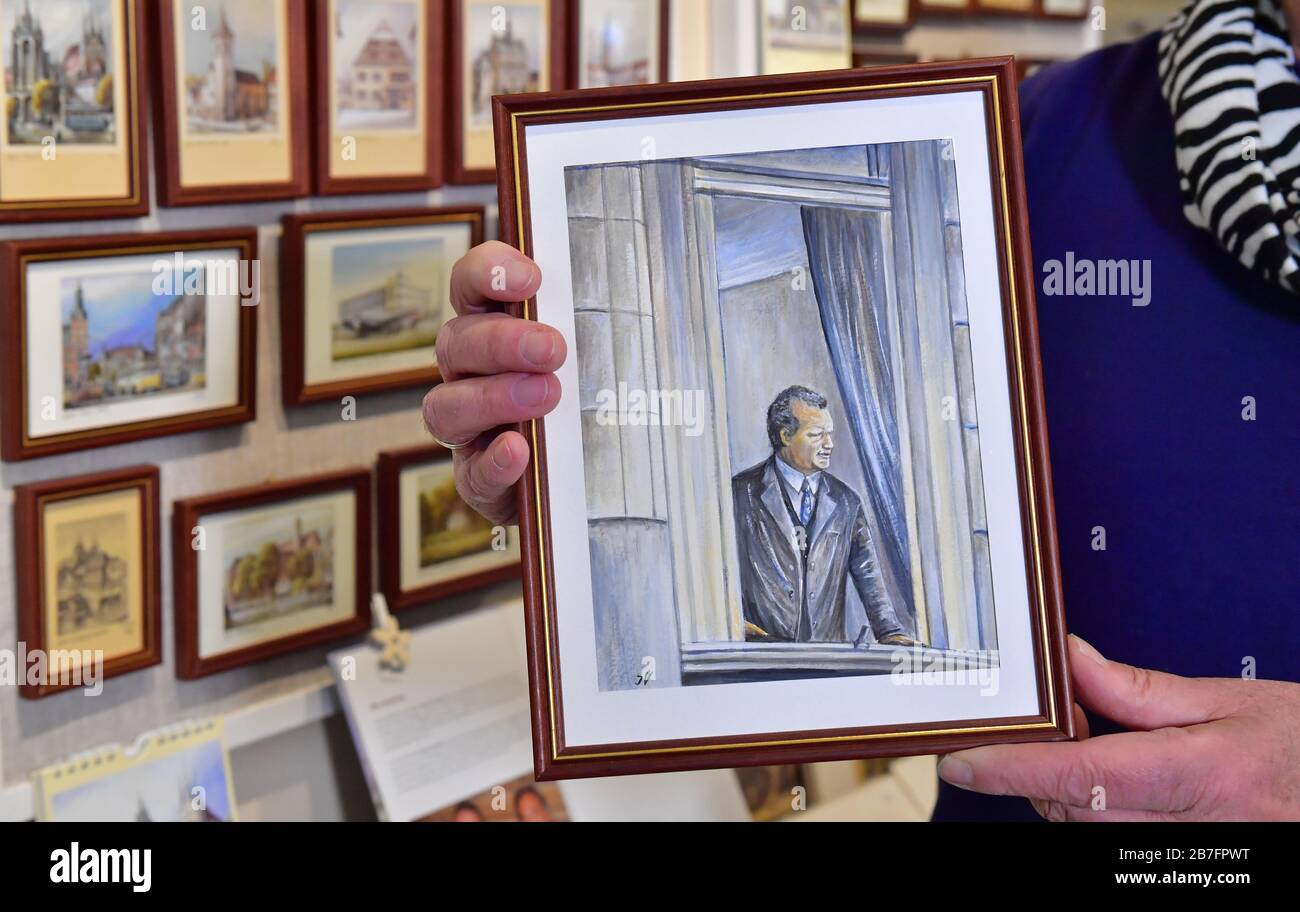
x=71, y=140
x=497, y=48
x=232, y=121
x=106, y=339
x=378, y=105
x=795, y=503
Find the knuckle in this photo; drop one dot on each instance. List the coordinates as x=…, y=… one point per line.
x=445, y=346
x=438, y=408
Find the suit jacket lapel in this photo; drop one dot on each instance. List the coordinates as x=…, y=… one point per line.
x=774, y=501
x=826, y=504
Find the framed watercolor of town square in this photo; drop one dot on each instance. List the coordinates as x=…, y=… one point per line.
x=71, y=138
x=795, y=504
x=269, y=569
x=109, y=339
x=87, y=561
x=497, y=48
x=618, y=42
x=232, y=122
x=378, y=99
x=431, y=543
x=363, y=296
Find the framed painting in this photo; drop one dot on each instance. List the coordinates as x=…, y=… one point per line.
x=110, y=339
x=431, y=543
x=71, y=143
x=378, y=95
x=232, y=122
x=618, y=42
x=363, y=295
x=1065, y=9
x=270, y=569
x=497, y=49
x=87, y=551
x=882, y=15
x=802, y=451
x=800, y=37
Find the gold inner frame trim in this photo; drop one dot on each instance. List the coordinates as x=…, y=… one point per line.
x=110, y=253
x=1023, y=442
x=134, y=137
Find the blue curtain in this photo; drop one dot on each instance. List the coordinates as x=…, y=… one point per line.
x=845, y=257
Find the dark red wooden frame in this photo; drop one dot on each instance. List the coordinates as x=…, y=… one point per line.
x=187, y=514
x=435, y=17
x=920, y=8
x=14, y=256
x=456, y=170
x=996, y=81
x=574, y=14
x=293, y=303
x=30, y=563
x=169, y=113
x=1029, y=13
x=391, y=465
x=137, y=203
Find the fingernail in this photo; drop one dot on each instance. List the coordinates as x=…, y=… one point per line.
x=501, y=454
x=519, y=274
x=537, y=347
x=1086, y=648
x=956, y=772
x=531, y=391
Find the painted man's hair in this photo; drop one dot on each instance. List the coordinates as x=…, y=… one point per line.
x=780, y=417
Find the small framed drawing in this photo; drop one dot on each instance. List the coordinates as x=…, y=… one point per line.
x=109, y=339
x=796, y=38
x=801, y=459
x=1007, y=7
x=231, y=124
x=71, y=143
x=431, y=544
x=364, y=295
x=270, y=569
x=618, y=42
x=87, y=551
x=1065, y=9
x=882, y=15
x=497, y=49
x=378, y=97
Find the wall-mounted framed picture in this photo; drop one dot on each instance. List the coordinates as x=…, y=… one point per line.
x=497, y=48
x=232, y=120
x=1065, y=9
x=943, y=7
x=761, y=381
x=71, y=144
x=87, y=552
x=107, y=339
x=378, y=95
x=804, y=36
x=270, y=569
x=363, y=296
x=882, y=15
x=618, y=42
x=1023, y=8
x=431, y=543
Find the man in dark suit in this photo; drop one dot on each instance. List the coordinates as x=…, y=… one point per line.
x=802, y=534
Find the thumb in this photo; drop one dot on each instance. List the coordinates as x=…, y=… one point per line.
x=1142, y=699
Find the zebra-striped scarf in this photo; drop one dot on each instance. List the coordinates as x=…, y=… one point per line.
x=1227, y=69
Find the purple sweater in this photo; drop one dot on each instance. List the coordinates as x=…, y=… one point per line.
x=1201, y=508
